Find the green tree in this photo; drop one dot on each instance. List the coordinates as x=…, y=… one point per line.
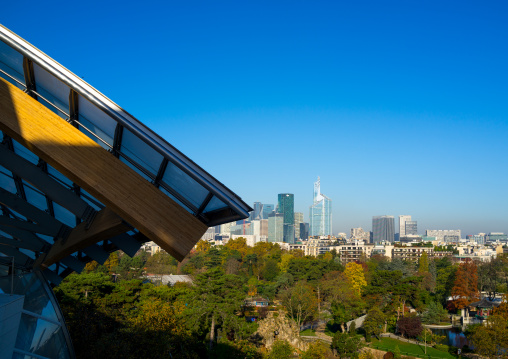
x=281, y=350
x=316, y=350
x=216, y=300
x=423, y=263
x=347, y=345
x=434, y=314
x=374, y=322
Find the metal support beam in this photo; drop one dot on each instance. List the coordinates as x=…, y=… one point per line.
x=160, y=172
x=126, y=243
x=117, y=141
x=30, y=211
x=26, y=236
x=30, y=245
x=28, y=226
x=28, y=72
x=105, y=225
x=54, y=190
x=20, y=259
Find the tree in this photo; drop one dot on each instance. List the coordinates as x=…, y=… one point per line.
x=203, y=246
x=465, y=288
x=374, y=322
x=491, y=339
x=281, y=350
x=410, y=326
x=216, y=299
x=300, y=302
x=347, y=345
x=434, y=314
x=423, y=263
x=238, y=244
x=316, y=350
x=356, y=276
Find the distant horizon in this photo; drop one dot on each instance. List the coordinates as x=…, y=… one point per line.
x=399, y=107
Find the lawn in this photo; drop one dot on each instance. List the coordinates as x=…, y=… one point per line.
x=308, y=333
x=388, y=344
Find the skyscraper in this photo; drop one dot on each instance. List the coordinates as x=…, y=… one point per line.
x=402, y=224
x=286, y=206
x=298, y=220
x=275, y=227
x=320, y=217
x=383, y=229
x=258, y=211
x=267, y=209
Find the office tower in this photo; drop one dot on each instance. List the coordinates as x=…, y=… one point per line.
x=286, y=206
x=267, y=209
x=304, y=231
x=320, y=217
x=275, y=227
x=257, y=213
x=383, y=229
x=402, y=224
x=298, y=220
x=411, y=228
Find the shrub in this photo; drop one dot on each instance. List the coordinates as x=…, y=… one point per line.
x=442, y=347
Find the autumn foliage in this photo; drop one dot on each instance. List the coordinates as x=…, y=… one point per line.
x=465, y=288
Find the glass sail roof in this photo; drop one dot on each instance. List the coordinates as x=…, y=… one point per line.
x=117, y=132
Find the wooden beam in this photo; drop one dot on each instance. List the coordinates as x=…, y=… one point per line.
x=108, y=179
x=106, y=224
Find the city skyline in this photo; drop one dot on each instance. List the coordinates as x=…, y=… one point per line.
x=399, y=107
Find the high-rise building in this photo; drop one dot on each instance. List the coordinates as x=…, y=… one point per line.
x=286, y=206
x=304, y=231
x=411, y=228
x=257, y=213
x=402, y=224
x=320, y=217
x=275, y=227
x=267, y=209
x=298, y=220
x=383, y=229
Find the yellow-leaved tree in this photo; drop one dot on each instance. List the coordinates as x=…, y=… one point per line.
x=356, y=276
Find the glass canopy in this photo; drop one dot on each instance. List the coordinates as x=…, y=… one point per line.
x=118, y=133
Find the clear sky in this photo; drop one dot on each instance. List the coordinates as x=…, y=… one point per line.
x=401, y=107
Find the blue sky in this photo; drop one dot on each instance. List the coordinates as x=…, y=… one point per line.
x=399, y=106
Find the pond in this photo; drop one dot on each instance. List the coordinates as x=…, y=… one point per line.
x=454, y=336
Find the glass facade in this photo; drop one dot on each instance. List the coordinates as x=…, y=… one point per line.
x=40, y=205
x=275, y=227
x=41, y=331
x=383, y=229
x=286, y=206
x=320, y=216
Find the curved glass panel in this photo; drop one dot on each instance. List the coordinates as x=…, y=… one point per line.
x=11, y=62
x=53, y=90
x=96, y=121
x=185, y=185
x=138, y=150
x=214, y=204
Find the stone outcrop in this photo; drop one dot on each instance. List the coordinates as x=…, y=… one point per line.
x=277, y=326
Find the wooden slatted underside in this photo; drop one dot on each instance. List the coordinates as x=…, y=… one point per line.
x=101, y=174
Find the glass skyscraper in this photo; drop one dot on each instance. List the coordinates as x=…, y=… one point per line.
x=383, y=229
x=320, y=217
x=286, y=206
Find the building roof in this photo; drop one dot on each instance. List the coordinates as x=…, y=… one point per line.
x=80, y=177
x=485, y=303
